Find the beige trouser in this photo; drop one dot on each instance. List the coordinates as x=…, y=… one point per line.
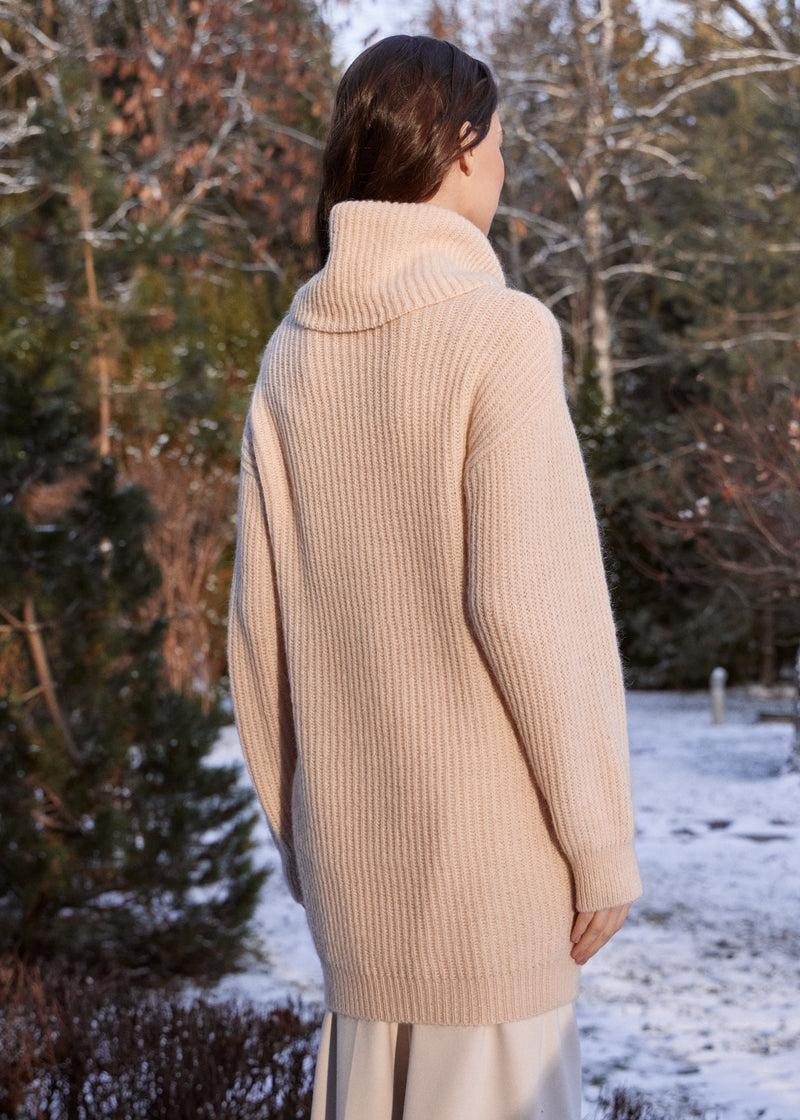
x=529, y=1070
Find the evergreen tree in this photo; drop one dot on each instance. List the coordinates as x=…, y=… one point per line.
x=717, y=432
x=120, y=845
x=651, y=201
x=168, y=158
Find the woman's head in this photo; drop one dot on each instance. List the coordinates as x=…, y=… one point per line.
x=398, y=123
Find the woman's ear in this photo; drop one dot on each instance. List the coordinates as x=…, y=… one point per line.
x=465, y=159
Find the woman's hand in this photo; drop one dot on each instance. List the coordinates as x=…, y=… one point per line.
x=592, y=930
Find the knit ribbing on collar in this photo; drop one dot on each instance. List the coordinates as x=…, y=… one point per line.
x=389, y=258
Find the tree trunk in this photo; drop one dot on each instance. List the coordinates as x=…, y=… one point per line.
x=598, y=308
x=82, y=201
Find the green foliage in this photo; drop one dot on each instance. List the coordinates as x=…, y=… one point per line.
x=189, y=347
x=176, y=157
x=158, y=211
x=118, y=839
x=652, y=201
x=119, y=842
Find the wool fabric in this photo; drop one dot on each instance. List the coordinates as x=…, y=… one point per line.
x=422, y=653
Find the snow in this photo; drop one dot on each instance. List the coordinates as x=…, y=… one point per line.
x=697, y=999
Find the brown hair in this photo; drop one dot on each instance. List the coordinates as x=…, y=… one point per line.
x=397, y=123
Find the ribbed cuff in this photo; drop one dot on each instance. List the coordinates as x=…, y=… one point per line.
x=607, y=877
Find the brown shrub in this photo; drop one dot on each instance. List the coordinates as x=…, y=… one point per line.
x=74, y=1049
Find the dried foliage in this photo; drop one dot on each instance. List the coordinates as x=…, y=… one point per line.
x=624, y=1104
x=74, y=1048
x=721, y=510
x=220, y=104
x=735, y=490
x=193, y=529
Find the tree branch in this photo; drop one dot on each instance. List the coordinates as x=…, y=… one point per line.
x=766, y=67
x=757, y=22
x=41, y=663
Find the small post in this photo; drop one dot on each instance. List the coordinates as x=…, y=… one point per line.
x=719, y=676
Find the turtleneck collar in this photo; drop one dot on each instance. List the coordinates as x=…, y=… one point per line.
x=388, y=258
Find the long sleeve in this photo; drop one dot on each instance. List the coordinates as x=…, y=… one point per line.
x=539, y=603
x=258, y=671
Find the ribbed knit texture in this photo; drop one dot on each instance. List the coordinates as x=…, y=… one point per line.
x=422, y=654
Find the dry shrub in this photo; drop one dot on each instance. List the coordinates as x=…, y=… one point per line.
x=625, y=1104
x=194, y=527
x=73, y=1049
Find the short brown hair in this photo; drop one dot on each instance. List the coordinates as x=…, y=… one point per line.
x=397, y=121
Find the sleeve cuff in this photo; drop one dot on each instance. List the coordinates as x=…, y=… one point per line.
x=606, y=878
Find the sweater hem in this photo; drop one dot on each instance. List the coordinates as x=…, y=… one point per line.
x=453, y=1001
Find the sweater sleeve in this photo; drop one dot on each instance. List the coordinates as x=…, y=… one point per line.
x=539, y=604
x=258, y=670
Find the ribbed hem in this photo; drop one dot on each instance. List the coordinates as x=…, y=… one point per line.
x=462, y=1001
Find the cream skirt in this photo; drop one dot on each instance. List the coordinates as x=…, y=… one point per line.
x=529, y=1070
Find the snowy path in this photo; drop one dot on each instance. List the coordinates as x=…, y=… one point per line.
x=698, y=998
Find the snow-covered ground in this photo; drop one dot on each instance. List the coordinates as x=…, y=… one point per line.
x=698, y=998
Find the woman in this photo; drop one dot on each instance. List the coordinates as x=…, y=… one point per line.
x=422, y=653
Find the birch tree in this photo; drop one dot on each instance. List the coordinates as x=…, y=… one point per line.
x=734, y=332
x=597, y=128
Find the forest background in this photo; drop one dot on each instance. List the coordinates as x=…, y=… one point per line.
x=158, y=176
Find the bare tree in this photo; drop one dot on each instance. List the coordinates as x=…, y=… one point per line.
x=596, y=121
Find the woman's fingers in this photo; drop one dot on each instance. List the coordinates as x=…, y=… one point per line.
x=581, y=925
x=592, y=931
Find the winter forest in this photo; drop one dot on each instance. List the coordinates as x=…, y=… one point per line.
x=158, y=175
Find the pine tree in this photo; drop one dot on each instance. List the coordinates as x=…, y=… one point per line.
x=120, y=845
x=167, y=155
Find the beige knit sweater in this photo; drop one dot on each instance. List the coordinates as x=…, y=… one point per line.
x=422, y=655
